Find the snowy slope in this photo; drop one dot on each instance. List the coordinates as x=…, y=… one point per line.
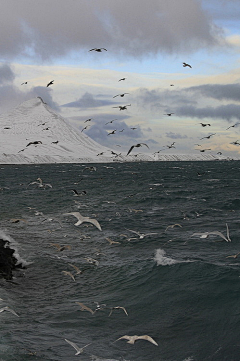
x=33, y=133
x=53, y=139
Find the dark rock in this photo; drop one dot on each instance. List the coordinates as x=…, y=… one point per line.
x=8, y=262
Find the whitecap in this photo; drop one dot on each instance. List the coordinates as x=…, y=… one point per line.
x=11, y=243
x=161, y=259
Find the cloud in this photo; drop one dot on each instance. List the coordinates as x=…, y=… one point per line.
x=226, y=112
x=175, y=135
x=6, y=74
x=218, y=91
x=11, y=96
x=88, y=101
x=47, y=30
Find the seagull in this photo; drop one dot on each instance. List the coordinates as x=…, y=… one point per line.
x=169, y=114
x=78, y=349
x=91, y=260
x=111, y=241
x=208, y=137
x=236, y=142
x=67, y=273
x=123, y=107
x=88, y=120
x=84, y=307
x=140, y=235
x=40, y=184
x=6, y=308
x=113, y=132
x=85, y=128
x=173, y=225
x=82, y=219
x=77, y=194
x=203, y=150
x=185, y=64
x=122, y=79
x=50, y=83
x=136, y=146
x=111, y=121
x=34, y=143
x=217, y=233
x=171, y=145
x=24, y=83
x=132, y=339
x=120, y=95
x=99, y=50
x=205, y=124
x=232, y=126
x=117, y=307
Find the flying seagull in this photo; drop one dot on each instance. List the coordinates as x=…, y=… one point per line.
x=122, y=79
x=136, y=146
x=120, y=95
x=140, y=235
x=24, y=83
x=116, y=308
x=208, y=137
x=185, y=64
x=236, y=142
x=232, y=126
x=99, y=50
x=34, y=143
x=169, y=114
x=6, y=308
x=111, y=121
x=205, y=124
x=217, y=233
x=78, y=349
x=50, y=83
x=203, y=150
x=123, y=107
x=171, y=145
x=113, y=132
x=82, y=219
x=132, y=339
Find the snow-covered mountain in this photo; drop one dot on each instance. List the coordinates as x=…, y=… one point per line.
x=33, y=133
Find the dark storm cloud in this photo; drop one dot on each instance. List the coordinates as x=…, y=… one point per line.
x=217, y=91
x=49, y=29
x=88, y=101
x=6, y=74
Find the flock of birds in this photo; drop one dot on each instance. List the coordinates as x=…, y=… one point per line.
x=125, y=107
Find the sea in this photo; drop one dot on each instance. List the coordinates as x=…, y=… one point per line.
x=152, y=269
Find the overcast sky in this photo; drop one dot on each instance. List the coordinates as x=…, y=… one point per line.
x=147, y=43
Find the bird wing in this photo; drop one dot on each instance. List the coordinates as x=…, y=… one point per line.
x=145, y=144
x=85, y=308
x=217, y=233
x=202, y=235
x=124, y=337
x=94, y=222
x=74, y=346
x=130, y=149
x=147, y=338
x=133, y=232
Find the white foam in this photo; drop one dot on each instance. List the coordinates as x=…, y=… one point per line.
x=14, y=246
x=162, y=260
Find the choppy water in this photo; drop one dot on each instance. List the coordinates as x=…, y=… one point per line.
x=183, y=291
